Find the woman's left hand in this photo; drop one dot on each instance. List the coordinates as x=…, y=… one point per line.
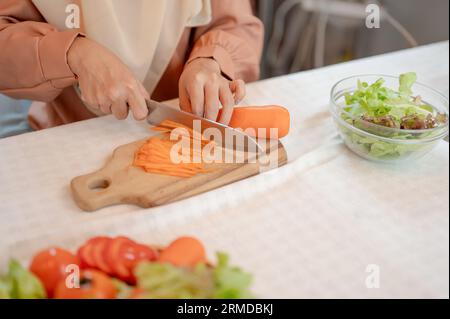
x=203, y=88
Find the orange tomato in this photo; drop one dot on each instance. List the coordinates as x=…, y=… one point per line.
x=183, y=252
x=50, y=266
x=93, y=285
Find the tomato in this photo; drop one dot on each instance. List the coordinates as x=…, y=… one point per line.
x=184, y=252
x=98, y=253
x=112, y=254
x=131, y=254
x=122, y=254
x=85, y=255
x=93, y=285
x=86, y=252
x=50, y=266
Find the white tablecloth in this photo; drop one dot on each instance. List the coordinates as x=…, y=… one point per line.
x=309, y=229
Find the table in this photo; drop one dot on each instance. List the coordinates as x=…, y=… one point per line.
x=322, y=226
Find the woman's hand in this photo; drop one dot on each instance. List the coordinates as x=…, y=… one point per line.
x=105, y=82
x=203, y=89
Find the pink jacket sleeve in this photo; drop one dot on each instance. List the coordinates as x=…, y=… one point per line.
x=234, y=38
x=33, y=54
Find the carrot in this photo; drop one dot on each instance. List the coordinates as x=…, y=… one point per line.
x=183, y=252
x=262, y=117
x=154, y=155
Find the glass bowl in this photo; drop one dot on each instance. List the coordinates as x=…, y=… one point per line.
x=380, y=143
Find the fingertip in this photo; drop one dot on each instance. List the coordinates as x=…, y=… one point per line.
x=140, y=113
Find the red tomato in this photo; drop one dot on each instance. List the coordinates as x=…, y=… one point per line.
x=123, y=254
x=93, y=285
x=184, y=252
x=98, y=253
x=86, y=252
x=112, y=254
x=50, y=266
x=85, y=255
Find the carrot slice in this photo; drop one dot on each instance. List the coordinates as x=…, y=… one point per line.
x=154, y=155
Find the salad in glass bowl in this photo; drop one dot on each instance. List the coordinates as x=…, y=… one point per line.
x=386, y=118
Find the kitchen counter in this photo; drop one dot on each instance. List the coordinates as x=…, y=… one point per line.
x=317, y=227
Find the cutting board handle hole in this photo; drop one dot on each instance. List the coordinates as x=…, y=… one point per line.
x=99, y=184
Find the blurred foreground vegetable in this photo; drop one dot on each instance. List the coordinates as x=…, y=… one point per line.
x=19, y=283
x=124, y=269
x=158, y=280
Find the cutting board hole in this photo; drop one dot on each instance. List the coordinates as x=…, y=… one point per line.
x=99, y=184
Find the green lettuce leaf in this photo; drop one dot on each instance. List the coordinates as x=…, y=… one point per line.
x=230, y=282
x=407, y=80
x=376, y=101
x=162, y=280
x=25, y=285
x=5, y=287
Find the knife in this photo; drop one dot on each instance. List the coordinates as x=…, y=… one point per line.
x=159, y=112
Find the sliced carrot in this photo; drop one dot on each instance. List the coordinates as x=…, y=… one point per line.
x=154, y=155
x=261, y=117
x=183, y=252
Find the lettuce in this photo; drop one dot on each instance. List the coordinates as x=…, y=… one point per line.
x=407, y=80
x=376, y=101
x=5, y=287
x=162, y=280
x=385, y=107
x=230, y=282
x=19, y=283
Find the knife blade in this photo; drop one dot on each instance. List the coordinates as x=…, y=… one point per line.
x=159, y=112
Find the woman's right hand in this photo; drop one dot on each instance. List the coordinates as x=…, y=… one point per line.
x=105, y=82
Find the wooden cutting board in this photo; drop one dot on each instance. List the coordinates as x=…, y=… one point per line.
x=118, y=182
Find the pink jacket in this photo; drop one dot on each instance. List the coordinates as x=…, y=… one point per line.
x=33, y=57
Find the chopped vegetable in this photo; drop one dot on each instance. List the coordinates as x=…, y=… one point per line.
x=230, y=282
x=98, y=254
x=5, y=287
x=114, y=256
x=163, y=280
x=50, y=266
x=183, y=252
x=93, y=285
x=154, y=156
x=391, y=112
x=182, y=271
x=19, y=283
x=383, y=106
